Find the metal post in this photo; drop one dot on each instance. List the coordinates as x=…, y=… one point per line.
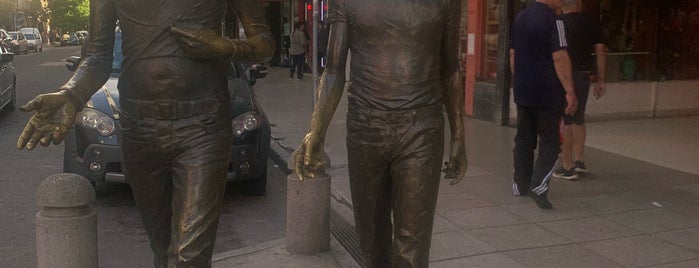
x=66, y=225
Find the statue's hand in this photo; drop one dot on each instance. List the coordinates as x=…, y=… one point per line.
x=308, y=160
x=455, y=167
x=53, y=116
x=204, y=43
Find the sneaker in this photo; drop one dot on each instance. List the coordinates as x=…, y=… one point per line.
x=566, y=174
x=580, y=167
x=541, y=200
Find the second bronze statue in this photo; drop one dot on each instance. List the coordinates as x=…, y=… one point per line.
x=404, y=69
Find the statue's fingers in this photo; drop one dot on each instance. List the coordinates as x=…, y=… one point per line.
x=46, y=139
x=30, y=106
x=33, y=140
x=25, y=136
x=59, y=133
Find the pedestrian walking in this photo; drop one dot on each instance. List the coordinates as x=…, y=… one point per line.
x=299, y=47
x=543, y=91
x=584, y=37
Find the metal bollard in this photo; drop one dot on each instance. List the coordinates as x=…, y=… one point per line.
x=308, y=215
x=66, y=225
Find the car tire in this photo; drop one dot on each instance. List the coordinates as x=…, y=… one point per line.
x=257, y=186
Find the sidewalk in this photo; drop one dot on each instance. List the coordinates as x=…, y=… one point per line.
x=638, y=207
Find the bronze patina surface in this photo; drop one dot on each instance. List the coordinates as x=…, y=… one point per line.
x=404, y=69
x=175, y=117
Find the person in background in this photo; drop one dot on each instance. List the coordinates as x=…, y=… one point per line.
x=543, y=86
x=299, y=46
x=584, y=37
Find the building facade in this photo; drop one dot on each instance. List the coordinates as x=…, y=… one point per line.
x=652, y=66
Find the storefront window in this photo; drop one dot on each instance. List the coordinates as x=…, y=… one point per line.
x=648, y=39
x=490, y=51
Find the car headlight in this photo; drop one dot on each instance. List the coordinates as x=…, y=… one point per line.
x=246, y=122
x=96, y=120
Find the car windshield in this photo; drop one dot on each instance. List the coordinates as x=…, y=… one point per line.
x=14, y=36
x=118, y=57
x=29, y=36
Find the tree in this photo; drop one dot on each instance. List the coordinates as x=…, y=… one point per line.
x=6, y=9
x=69, y=14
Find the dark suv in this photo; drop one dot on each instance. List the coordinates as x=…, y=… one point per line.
x=92, y=148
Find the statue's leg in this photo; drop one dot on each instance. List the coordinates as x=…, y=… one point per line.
x=147, y=168
x=199, y=180
x=523, y=153
x=371, y=187
x=416, y=173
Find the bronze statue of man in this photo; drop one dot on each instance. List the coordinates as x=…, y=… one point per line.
x=175, y=118
x=404, y=68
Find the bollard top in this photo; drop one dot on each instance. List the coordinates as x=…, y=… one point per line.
x=65, y=190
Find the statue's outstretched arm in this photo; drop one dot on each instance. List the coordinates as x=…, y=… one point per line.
x=54, y=113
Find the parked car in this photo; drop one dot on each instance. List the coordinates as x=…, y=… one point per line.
x=92, y=148
x=34, y=39
x=19, y=43
x=70, y=39
x=8, y=81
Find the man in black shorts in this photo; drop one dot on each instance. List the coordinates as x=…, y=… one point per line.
x=584, y=37
x=404, y=69
x=543, y=85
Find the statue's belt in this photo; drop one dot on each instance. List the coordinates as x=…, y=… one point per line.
x=169, y=109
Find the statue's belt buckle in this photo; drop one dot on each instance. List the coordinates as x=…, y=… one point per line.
x=166, y=109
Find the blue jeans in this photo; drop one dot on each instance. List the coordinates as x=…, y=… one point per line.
x=297, y=63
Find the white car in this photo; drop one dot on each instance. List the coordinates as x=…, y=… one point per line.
x=34, y=39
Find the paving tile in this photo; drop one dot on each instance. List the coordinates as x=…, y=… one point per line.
x=589, y=229
x=518, y=237
x=454, y=201
x=456, y=245
x=569, y=256
x=653, y=220
x=498, y=260
x=684, y=264
x=639, y=251
x=441, y=225
x=685, y=238
x=562, y=210
x=605, y=204
x=481, y=217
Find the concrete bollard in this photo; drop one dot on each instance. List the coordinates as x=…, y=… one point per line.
x=66, y=225
x=308, y=215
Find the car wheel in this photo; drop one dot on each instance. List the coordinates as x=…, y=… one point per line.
x=257, y=186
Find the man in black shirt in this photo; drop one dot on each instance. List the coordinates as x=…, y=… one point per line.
x=584, y=37
x=543, y=85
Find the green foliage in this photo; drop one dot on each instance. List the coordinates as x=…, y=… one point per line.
x=69, y=14
x=6, y=8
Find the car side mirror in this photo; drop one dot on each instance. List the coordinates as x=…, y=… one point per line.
x=258, y=71
x=73, y=63
x=7, y=57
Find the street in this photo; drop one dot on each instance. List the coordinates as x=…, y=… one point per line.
x=245, y=220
